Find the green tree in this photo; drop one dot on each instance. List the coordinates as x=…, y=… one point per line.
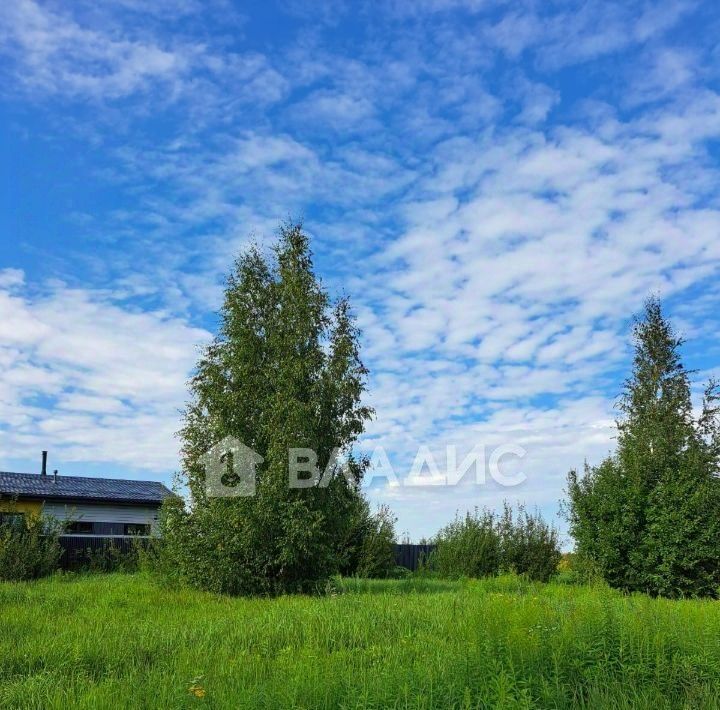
x=683, y=536
x=646, y=517
x=528, y=545
x=283, y=373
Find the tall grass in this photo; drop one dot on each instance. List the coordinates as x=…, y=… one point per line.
x=118, y=641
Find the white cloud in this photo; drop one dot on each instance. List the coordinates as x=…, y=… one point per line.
x=58, y=55
x=582, y=32
x=522, y=288
x=336, y=111
x=52, y=53
x=92, y=379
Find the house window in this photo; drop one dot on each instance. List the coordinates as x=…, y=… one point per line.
x=12, y=520
x=79, y=527
x=137, y=529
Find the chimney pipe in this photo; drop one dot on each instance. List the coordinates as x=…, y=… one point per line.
x=44, y=464
x=55, y=476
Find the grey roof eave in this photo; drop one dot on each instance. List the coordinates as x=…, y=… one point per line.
x=152, y=502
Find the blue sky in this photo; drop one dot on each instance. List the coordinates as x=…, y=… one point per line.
x=496, y=185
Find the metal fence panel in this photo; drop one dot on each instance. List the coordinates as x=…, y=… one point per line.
x=411, y=556
x=78, y=548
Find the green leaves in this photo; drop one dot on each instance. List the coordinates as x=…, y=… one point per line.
x=369, y=550
x=469, y=546
x=482, y=544
x=29, y=547
x=647, y=517
x=283, y=372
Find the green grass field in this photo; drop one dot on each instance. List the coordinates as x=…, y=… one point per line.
x=119, y=641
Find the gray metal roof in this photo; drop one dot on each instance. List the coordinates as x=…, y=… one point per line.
x=33, y=485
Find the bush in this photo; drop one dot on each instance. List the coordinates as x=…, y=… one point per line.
x=369, y=548
x=217, y=548
x=376, y=557
x=529, y=546
x=469, y=546
x=109, y=558
x=481, y=544
x=192, y=547
x=29, y=547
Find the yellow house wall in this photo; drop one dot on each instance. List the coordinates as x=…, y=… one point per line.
x=22, y=506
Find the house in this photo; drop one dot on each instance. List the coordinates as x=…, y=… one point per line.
x=107, y=507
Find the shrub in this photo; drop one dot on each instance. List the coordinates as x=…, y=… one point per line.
x=109, y=558
x=469, y=546
x=369, y=547
x=376, y=557
x=529, y=546
x=481, y=544
x=29, y=547
x=214, y=547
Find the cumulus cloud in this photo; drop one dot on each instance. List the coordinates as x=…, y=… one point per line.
x=49, y=52
x=513, y=282
x=56, y=54
x=92, y=379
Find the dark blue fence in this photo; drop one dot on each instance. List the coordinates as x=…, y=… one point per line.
x=79, y=549
x=411, y=556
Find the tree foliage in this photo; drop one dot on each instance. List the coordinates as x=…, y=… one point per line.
x=482, y=543
x=647, y=517
x=371, y=551
x=468, y=546
x=29, y=547
x=529, y=546
x=284, y=372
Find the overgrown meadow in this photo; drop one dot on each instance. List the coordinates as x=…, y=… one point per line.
x=121, y=641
